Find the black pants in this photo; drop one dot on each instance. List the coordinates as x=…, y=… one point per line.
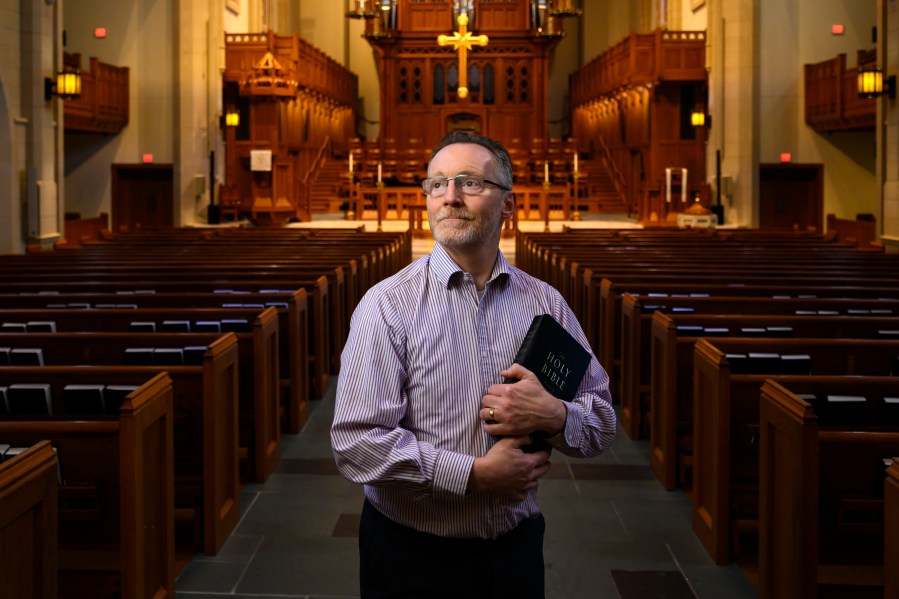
x=398, y=561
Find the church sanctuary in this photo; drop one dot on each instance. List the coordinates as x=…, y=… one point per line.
x=196, y=194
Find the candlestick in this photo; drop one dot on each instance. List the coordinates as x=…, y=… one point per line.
x=351, y=162
x=546, y=171
x=379, y=172
x=575, y=162
x=667, y=185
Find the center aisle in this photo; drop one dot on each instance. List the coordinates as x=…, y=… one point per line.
x=612, y=531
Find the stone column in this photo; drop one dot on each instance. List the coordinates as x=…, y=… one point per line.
x=887, y=171
x=733, y=103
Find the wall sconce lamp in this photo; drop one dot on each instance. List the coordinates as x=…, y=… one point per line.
x=232, y=118
x=66, y=85
x=871, y=83
x=699, y=118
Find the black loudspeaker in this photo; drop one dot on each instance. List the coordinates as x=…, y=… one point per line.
x=715, y=208
x=214, y=215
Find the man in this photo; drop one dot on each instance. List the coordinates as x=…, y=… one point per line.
x=422, y=417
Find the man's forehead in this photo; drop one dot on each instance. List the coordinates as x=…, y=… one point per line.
x=462, y=158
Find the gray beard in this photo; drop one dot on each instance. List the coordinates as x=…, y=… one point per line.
x=472, y=233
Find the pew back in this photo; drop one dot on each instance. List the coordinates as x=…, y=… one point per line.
x=259, y=420
x=116, y=506
x=28, y=523
x=206, y=432
x=726, y=416
x=670, y=365
x=822, y=481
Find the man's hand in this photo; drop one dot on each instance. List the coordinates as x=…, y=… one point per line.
x=507, y=471
x=523, y=407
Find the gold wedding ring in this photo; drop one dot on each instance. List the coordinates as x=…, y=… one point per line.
x=492, y=410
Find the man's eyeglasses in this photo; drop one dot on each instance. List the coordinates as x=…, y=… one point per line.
x=468, y=184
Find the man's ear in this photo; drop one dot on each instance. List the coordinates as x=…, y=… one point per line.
x=508, y=204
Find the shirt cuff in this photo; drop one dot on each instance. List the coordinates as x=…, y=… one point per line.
x=574, y=427
x=451, y=474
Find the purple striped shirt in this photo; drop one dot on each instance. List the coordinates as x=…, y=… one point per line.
x=422, y=351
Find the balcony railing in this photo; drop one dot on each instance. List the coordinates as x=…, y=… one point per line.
x=103, y=104
x=641, y=59
x=832, y=102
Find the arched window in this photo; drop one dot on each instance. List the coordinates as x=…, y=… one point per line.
x=488, y=84
x=439, y=92
x=452, y=78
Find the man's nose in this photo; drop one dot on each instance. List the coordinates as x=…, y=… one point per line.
x=452, y=195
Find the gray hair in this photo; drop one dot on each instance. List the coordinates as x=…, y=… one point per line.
x=497, y=149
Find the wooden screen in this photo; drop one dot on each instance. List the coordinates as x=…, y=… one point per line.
x=507, y=78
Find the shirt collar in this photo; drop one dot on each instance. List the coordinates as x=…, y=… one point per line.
x=445, y=269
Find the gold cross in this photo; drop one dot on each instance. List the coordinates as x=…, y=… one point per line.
x=462, y=41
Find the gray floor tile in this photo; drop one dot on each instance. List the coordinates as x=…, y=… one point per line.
x=603, y=514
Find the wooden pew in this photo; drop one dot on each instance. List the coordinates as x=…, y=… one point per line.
x=568, y=266
x=115, y=502
x=669, y=360
x=891, y=531
x=28, y=523
x=207, y=482
x=577, y=262
x=220, y=251
x=301, y=342
x=302, y=322
x=297, y=368
x=658, y=290
x=377, y=253
x=725, y=420
x=329, y=332
x=822, y=479
x=258, y=343
x=259, y=420
x=605, y=323
x=351, y=269
x=635, y=333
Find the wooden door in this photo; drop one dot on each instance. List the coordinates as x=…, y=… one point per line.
x=142, y=196
x=791, y=195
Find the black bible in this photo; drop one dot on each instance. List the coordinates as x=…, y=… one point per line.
x=554, y=356
x=556, y=359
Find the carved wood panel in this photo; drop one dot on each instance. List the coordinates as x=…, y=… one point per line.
x=507, y=79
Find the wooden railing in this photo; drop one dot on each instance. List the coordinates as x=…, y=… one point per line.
x=641, y=58
x=614, y=172
x=314, y=70
x=103, y=104
x=311, y=176
x=832, y=102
